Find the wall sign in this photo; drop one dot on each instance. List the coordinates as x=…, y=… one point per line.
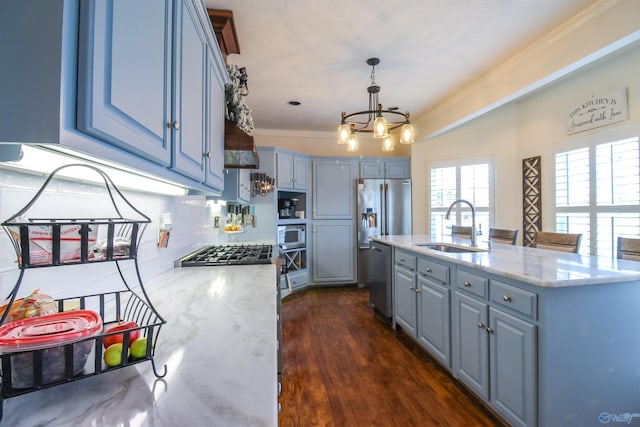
x=598, y=111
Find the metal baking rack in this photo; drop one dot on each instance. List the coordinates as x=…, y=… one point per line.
x=63, y=241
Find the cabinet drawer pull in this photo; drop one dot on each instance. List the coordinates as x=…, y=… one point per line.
x=428, y=270
x=490, y=330
x=506, y=298
x=480, y=325
x=175, y=125
x=401, y=259
x=467, y=284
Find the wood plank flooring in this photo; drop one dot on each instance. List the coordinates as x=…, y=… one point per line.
x=344, y=367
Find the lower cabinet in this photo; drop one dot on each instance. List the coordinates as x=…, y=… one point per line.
x=333, y=252
x=405, y=307
x=422, y=301
x=434, y=321
x=495, y=351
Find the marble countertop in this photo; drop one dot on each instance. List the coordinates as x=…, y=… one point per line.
x=219, y=346
x=539, y=267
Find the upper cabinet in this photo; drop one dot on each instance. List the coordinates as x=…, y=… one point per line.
x=116, y=60
x=292, y=171
x=333, y=188
x=385, y=168
x=137, y=83
x=175, y=117
x=237, y=186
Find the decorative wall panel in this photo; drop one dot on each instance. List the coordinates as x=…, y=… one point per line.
x=531, y=199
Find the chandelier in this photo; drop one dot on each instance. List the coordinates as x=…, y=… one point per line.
x=381, y=126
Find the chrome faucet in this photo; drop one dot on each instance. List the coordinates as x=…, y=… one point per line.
x=473, y=218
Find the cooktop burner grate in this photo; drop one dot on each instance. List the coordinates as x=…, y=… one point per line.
x=229, y=255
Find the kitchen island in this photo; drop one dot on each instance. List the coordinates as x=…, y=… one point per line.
x=544, y=338
x=219, y=346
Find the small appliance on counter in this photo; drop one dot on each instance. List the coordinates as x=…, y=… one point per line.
x=291, y=236
x=287, y=208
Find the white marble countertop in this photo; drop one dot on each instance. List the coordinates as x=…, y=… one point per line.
x=538, y=267
x=219, y=345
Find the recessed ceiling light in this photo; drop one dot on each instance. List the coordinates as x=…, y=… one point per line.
x=294, y=103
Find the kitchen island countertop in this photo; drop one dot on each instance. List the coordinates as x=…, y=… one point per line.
x=219, y=345
x=539, y=267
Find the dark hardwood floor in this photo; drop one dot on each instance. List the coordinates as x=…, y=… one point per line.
x=344, y=367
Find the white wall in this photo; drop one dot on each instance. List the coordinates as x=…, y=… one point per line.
x=529, y=127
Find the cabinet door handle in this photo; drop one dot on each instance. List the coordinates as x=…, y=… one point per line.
x=418, y=290
x=428, y=270
x=401, y=259
x=467, y=284
x=506, y=298
x=207, y=154
x=412, y=288
x=175, y=125
x=480, y=325
x=490, y=330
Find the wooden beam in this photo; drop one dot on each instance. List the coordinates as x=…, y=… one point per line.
x=225, y=30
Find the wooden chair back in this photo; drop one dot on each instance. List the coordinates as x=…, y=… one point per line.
x=564, y=242
x=503, y=235
x=628, y=248
x=461, y=231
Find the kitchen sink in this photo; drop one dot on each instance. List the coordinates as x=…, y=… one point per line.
x=447, y=247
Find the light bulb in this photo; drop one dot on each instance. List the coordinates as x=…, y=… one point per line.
x=387, y=144
x=352, y=144
x=380, y=127
x=406, y=134
x=343, y=133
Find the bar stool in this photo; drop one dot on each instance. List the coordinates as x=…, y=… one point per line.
x=503, y=235
x=564, y=242
x=628, y=249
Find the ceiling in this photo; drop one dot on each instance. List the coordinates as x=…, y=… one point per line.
x=315, y=52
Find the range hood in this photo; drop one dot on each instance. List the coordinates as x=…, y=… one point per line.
x=239, y=148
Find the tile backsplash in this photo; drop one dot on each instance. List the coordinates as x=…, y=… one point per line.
x=192, y=222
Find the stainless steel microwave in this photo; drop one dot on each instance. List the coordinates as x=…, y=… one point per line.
x=291, y=236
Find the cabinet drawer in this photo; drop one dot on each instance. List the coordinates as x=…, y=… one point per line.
x=517, y=299
x=473, y=284
x=429, y=268
x=404, y=258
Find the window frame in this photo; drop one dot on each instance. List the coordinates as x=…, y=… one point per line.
x=458, y=163
x=591, y=141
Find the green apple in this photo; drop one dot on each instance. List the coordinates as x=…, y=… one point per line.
x=113, y=354
x=139, y=348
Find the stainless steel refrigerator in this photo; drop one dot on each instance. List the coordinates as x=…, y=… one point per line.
x=384, y=208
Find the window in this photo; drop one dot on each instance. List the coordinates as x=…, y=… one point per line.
x=598, y=194
x=470, y=181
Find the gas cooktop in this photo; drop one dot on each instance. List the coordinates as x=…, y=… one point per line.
x=229, y=255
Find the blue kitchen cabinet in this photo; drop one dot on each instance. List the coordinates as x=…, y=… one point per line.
x=149, y=84
x=292, y=171
x=333, y=188
x=404, y=295
x=214, y=143
x=422, y=301
x=494, y=344
x=126, y=82
x=389, y=168
x=433, y=318
x=333, y=252
x=237, y=186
